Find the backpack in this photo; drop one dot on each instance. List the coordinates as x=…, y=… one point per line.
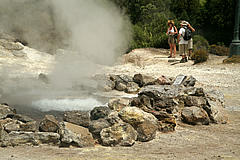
x=188, y=34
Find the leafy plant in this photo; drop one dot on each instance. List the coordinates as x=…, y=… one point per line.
x=200, y=43
x=219, y=50
x=199, y=56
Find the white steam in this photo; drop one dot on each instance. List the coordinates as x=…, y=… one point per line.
x=99, y=30
x=66, y=104
x=83, y=34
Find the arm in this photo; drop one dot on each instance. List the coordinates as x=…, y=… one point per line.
x=192, y=29
x=167, y=31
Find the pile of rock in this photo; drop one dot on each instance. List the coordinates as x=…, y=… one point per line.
x=17, y=129
x=160, y=105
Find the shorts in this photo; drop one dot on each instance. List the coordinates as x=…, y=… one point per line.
x=171, y=39
x=183, y=49
x=190, y=44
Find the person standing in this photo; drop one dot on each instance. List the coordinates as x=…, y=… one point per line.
x=190, y=42
x=183, y=44
x=172, y=31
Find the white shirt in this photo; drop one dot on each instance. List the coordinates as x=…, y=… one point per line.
x=182, y=33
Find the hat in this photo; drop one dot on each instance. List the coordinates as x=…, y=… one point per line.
x=184, y=23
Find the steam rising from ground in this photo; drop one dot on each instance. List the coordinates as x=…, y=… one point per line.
x=99, y=30
x=92, y=31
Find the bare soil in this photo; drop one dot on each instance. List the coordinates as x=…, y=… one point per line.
x=200, y=142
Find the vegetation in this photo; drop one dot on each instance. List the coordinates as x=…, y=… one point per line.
x=199, y=56
x=219, y=50
x=233, y=59
x=212, y=19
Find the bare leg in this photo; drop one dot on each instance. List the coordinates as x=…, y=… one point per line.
x=174, y=47
x=170, y=44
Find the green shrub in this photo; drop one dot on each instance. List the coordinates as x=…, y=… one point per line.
x=233, y=59
x=199, y=56
x=200, y=43
x=219, y=50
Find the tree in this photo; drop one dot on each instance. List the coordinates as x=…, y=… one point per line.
x=218, y=20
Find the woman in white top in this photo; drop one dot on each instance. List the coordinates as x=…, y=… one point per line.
x=172, y=30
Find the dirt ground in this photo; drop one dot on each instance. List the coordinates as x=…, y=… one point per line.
x=201, y=142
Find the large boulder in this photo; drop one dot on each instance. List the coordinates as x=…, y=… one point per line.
x=74, y=135
x=81, y=118
x=145, y=123
x=195, y=115
x=122, y=134
x=49, y=124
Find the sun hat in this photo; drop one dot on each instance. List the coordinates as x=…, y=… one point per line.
x=184, y=23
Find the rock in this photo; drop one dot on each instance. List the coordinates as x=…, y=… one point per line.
x=96, y=126
x=120, y=85
x=4, y=137
x=49, y=124
x=5, y=109
x=29, y=126
x=132, y=87
x=143, y=80
x=195, y=91
x=74, y=135
x=20, y=117
x=145, y=123
x=157, y=91
x=195, y=115
x=163, y=80
x=166, y=127
x=215, y=95
x=195, y=101
x=122, y=134
x=189, y=81
x=113, y=118
x=99, y=112
x=12, y=126
x=118, y=103
x=216, y=111
x=11, y=45
x=167, y=122
x=81, y=118
x=31, y=138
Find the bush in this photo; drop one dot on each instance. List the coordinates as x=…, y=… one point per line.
x=200, y=43
x=233, y=59
x=219, y=50
x=199, y=56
